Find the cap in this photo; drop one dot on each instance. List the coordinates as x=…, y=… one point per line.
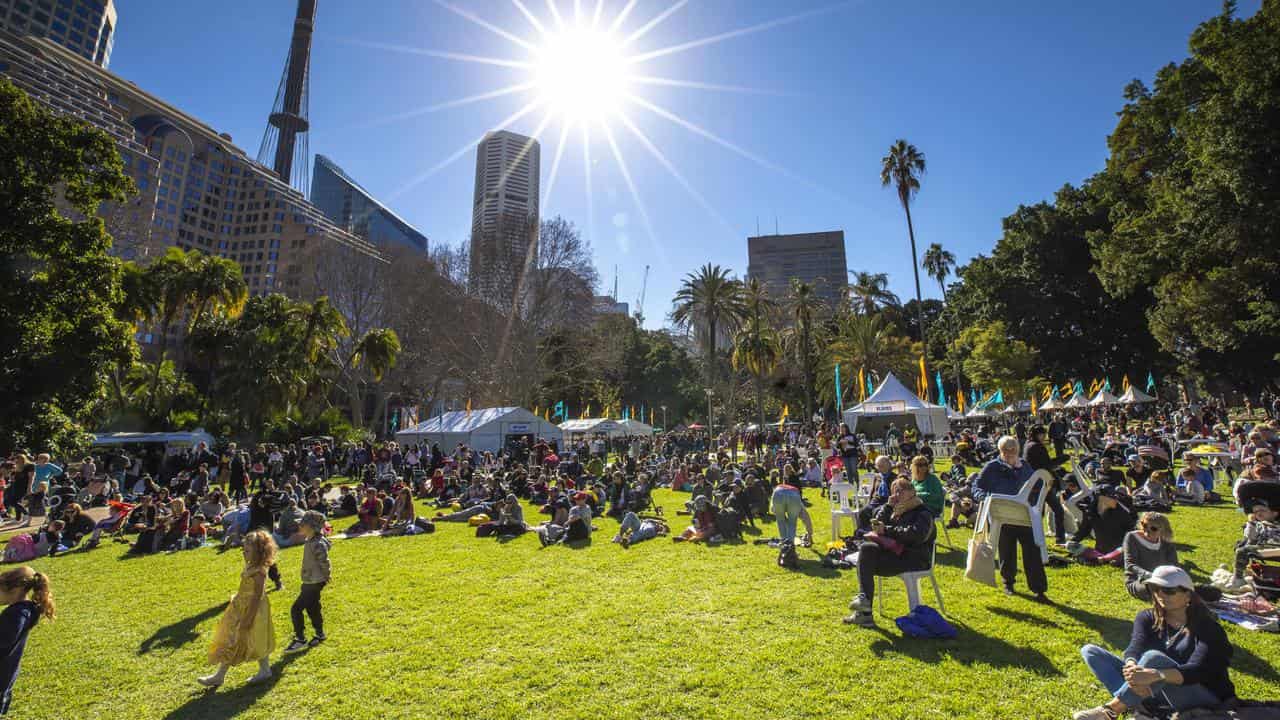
x=579, y=496
x=1170, y=576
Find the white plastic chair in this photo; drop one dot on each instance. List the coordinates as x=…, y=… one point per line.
x=912, y=582
x=942, y=525
x=844, y=504
x=1017, y=510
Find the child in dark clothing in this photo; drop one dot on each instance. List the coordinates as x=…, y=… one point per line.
x=27, y=598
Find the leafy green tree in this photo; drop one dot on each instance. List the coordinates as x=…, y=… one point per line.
x=993, y=359
x=870, y=344
x=902, y=168
x=756, y=347
x=59, y=287
x=1194, y=200
x=709, y=302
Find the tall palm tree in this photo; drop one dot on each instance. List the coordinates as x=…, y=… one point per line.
x=939, y=263
x=903, y=167
x=756, y=346
x=805, y=309
x=216, y=284
x=870, y=292
x=709, y=302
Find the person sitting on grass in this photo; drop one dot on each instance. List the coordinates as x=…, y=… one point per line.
x=1145, y=549
x=634, y=530
x=78, y=525
x=370, y=514
x=288, y=525
x=1107, y=515
x=1203, y=477
x=213, y=505
x=1189, y=488
x=510, y=520
x=901, y=540
x=144, y=520
x=703, y=527
x=1261, y=532
x=176, y=525
x=1155, y=493
x=117, y=514
x=1177, y=656
x=577, y=525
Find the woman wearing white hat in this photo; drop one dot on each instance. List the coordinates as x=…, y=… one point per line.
x=1178, y=654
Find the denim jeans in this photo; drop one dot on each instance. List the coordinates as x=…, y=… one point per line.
x=787, y=507
x=1109, y=669
x=640, y=531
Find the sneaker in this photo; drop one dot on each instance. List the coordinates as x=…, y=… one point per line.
x=279, y=585
x=259, y=677
x=1101, y=712
x=1075, y=548
x=861, y=619
x=617, y=539
x=1008, y=589
x=297, y=645
x=319, y=638
x=625, y=542
x=806, y=540
x=860, y=603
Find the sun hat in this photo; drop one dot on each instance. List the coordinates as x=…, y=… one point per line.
x=1170, y=576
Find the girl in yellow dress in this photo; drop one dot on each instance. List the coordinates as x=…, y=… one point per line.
x=245, y=631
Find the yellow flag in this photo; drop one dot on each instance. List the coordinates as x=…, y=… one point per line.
x=1048, y=391
x=959, y=400
x=468, y=408
x=862, y=384
x=546, y=414
x=650, y=416
x=923, y=382
x=1067, y=389
x=1126, y=383
x=586, y=413
x=1033, y=405
x=786, y=410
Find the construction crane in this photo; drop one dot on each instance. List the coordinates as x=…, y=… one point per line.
x=644, y=286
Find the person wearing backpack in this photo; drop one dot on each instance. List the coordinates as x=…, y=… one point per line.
x=901, y=540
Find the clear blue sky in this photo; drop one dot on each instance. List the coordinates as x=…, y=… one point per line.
x=1008, y=99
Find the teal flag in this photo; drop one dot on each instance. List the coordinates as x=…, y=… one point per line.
x=1151, y=382
x=1079, y=388
x=1107, y=385
x=942, y=392
x=560, y=411
x=839, y=395
x=870, y=390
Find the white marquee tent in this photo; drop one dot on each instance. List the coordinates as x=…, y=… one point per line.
x=485, y=429
x=635, y=427
x=1053, y=403
x=1104, y=397
x=1077, y=401
x=1133, y=396
x=592, y=427
x=892, y=402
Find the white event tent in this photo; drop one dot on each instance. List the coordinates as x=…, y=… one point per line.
x=1104, y=397
x=635, y=427
x=485, y=429
x=892, y=402
x=1077, y=401
x=1133, y=396
x=592, y=427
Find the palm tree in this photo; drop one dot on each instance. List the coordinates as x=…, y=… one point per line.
x=805, y=308
x=709, y=302
x=756, y=346
x=902, y=168
x=870, y=292
x=938, y=263
x=868, y=342
x=216, y=284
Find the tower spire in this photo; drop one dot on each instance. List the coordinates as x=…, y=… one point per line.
x=284, y=144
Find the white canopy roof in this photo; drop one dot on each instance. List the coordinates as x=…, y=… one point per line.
x=890, y=402
x=591, y=426
x=1077, y=401
x=1104, y=398
x=483, y=429
x=635, y=427
x=953, y=414
x=1133, y=396
x=1017, y=407
x=173, y=439
x=1053, y=403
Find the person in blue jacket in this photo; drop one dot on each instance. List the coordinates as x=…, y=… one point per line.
x=1006, y=475
x=26, y=596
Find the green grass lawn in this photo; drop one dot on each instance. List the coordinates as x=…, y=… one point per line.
x=448, y=625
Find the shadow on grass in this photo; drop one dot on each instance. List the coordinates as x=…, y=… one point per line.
x=230, y=703
x=180, y=633
x=969, y=648
x=1019, y=616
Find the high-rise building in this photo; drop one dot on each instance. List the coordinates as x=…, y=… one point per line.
x=816, y=258
x=196, y=189
x=85, y=27
x=353, y=208
x=504, y=214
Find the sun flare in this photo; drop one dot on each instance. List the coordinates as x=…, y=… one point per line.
x=581, y=74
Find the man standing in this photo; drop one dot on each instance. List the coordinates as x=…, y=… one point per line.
x=1006, y=475
x=1058, y=434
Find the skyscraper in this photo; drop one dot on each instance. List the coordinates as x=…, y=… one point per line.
x=504, y=214
x=350, y=206
x=85, y=27
x=817, y=258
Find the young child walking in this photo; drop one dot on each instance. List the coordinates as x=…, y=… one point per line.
x=245, y=632
x=26, y=597
x=315, y=575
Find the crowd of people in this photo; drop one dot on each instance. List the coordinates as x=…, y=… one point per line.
x=1112, y=507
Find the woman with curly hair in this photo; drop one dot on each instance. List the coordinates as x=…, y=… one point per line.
x=245, y=631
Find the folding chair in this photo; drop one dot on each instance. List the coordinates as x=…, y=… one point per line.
x=1017, y=510
x=844, y=504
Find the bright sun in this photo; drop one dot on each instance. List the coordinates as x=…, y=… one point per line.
x=582, y=74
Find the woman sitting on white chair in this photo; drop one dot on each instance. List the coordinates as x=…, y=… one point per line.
x=901, y=540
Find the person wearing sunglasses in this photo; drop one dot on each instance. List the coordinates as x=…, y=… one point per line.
x=1177, y=657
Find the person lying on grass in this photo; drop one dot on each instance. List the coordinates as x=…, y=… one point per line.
x=901, y=540
x=634, y=530
x=1178, y=654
